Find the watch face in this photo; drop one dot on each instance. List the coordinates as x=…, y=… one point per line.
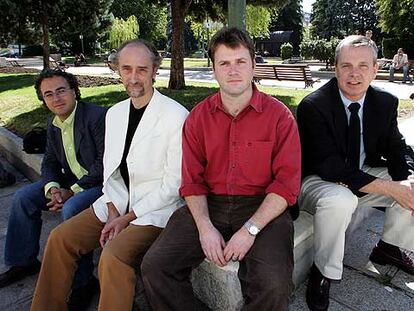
x=253, y=230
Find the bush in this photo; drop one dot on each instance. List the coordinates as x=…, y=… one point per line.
x=320, y=49
x=307, y=48
x=390, y=47
x=286, y=50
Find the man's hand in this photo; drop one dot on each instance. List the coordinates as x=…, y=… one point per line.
x=107, y=234
x=58, y=197
x=239, y=244
x=403, y=193
x=212, y=243
x=113, y=228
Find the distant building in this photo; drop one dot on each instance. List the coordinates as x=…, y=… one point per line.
x=306, y=18
x=271, y=46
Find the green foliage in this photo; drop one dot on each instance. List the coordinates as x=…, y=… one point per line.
x=286, y=50
x=257, y=20
x=122, y=31
x=306, y=48
x=321, y=49
x=289, y=18
x=339, y=18
x=152, y=24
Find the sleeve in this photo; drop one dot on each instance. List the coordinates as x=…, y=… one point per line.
x=194, y=162
x=95, y=171
x=321, y=154
x=399, y=156
x=167, y=193
x=286, y=164
x=51, y=167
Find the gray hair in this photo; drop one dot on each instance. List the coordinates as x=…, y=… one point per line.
x=356, y=41
x=155, y=56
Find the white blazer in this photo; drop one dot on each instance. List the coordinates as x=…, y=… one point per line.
x=154, y=162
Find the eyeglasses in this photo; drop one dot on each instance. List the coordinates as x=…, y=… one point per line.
x=48, y=96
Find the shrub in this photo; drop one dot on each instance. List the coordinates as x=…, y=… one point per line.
x=286, y=50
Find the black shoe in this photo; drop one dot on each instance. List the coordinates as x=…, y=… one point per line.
x=387, y=254
x=317, y=292
x=81, y=297
x=16, y=273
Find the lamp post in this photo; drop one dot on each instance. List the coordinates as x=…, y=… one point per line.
x=81, y=38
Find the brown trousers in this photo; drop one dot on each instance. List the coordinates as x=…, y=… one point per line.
x=78, y=236
x=265, y=273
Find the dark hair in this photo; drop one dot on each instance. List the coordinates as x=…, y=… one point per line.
x=155, y=56
x=231, y=37
x=50, y=73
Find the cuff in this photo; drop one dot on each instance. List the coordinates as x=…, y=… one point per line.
x=193, y=189
x=48, y=186
x=76, y=188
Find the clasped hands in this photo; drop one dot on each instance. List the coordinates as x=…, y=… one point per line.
x=215, y=248
x=114, y=225
x=58, y=197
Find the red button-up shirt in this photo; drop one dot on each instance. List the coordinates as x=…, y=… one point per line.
x=254, y=153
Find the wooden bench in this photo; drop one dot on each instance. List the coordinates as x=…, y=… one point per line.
x=14, y=63
x=54, y=64
x=288, y=72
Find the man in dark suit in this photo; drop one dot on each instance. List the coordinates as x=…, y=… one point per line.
x=354, y=157
x=71, y=175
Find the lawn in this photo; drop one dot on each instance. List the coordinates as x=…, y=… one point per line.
x=20, y=110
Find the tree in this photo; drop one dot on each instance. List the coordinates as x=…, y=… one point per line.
x=61, y=18
x=397, y=18
x=152, y=24
x=337, y=18
x=290, y=18
x=122, y=31
x=257, y=20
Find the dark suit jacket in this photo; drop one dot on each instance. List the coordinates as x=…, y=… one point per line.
x=323, y=130
x=89, y=133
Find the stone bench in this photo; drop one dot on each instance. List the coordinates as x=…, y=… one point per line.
x=219, y=287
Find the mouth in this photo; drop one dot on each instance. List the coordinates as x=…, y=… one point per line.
x=353, y=83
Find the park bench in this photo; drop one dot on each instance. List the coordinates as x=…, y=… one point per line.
x=14, y=63
x=288, y=72
x=54, y=64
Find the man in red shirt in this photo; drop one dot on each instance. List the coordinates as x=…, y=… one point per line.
x=241, y=171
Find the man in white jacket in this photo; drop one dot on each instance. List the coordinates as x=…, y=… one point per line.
x=142, y=173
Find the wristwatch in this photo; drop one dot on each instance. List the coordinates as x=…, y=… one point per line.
x=251, y=228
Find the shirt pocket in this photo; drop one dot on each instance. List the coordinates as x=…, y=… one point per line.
x=256, y=162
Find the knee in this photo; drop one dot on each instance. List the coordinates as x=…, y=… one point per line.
x=70, y=209
x=56, y=236
x=149, y=266
x=341, y=202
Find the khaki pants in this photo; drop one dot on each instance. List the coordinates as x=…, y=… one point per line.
x=333, y=207
x=78, y=236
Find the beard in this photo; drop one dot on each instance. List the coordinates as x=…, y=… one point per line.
x=135, y=90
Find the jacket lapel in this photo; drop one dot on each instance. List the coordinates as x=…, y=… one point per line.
x=340, y=122
x=148, y=120
x=78, y=127
x=369, y=119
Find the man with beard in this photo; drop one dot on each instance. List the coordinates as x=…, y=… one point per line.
x=142, y=163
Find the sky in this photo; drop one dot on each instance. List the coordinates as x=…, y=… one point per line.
x=307, y=5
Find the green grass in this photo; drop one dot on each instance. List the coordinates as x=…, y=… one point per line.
x=20, y=110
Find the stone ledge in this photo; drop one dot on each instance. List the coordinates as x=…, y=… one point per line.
x=11, y=147
x=219, y=288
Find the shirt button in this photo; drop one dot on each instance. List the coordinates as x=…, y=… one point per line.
x=249, y=144
x=233, y=166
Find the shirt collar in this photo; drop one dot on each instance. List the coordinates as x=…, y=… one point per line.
x=68, y=121
x=255, y=101
x=347, y=102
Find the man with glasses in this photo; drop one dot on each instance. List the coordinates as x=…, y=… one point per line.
x=71, y=178
x=142, y=174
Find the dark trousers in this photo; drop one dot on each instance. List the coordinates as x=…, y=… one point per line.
x=265, y=273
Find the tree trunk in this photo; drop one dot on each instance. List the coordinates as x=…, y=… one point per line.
x=178, y=10
x=44, y=20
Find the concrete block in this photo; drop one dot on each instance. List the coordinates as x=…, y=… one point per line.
x=219, y=287
x=11, y=148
